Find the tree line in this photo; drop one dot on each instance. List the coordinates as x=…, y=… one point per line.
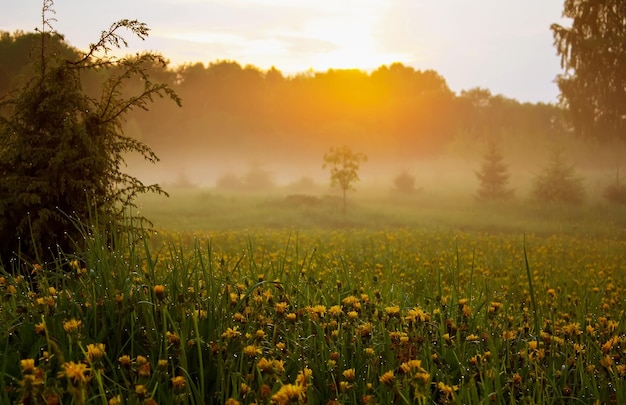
x=395, y=110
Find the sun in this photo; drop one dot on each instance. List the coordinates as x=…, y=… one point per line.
x=353, y=40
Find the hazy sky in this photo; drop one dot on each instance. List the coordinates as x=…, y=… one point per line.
x=503, y=45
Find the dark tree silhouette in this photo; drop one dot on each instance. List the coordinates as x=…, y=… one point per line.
x=593, y=55
x=558, y=182
x=404, y=183
x=344, y=166
x=493, y=175
x=63, y=150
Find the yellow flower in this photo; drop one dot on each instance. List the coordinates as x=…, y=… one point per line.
x=316, y=312
x=280, y=307
x=159, y=291
x=349, y=374
x=344, y=386
x=393, y=311
x=40, y=328
x=72, y=326
x=144, y=369
x=264, y=365
x=387, y=378
x=467, y=311
x=304, y=376
x=124, y=361
x=95, y=351
x=232, y=401
x=141, y=390
x=162, y=364
x=117, y=400
x=28, y=366
x=76, y=373
x=353, y=314
x=446, y=390
x=231, y=333
x=172, y=338
x=411, y=365
x=288, y=393
x=335, y=310
x=178, y=383
x=351, y=301
x=251, y=350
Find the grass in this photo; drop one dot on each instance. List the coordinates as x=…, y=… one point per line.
x=272, y=306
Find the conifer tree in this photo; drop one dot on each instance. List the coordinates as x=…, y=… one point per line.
x=62, y=153
x=493, y=175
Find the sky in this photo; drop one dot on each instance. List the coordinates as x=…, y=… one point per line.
x=505, y=46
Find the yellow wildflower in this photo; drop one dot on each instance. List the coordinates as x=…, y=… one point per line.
x=95, y=351
x=76, y=373
x=288, y=393
x=387, y=378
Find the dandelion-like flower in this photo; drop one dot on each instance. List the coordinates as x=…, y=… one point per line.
x=288, y=394
x=335, y=310
x=125, y=361
x=387, y=378
x=95, y=351
x=251, y=350
x=231, y=333
x=28, y=366
x=72, y=326
x=179, y=383
x=304, y=376
x=76, y=373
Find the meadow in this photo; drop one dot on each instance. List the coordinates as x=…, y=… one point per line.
x=234, y=299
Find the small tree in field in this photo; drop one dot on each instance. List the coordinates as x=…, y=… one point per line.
x=493, y=175
x=558, y=182
x=63, y=150
x=344, y=166
x=404, y=183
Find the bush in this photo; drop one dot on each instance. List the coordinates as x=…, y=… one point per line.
x=63, y=150
x=616, y=192
x=558, y=182
x=404, y=183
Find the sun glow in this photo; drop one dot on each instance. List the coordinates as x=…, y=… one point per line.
x=330, y=34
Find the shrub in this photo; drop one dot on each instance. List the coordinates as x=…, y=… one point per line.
x=63, y=150
x=404, y=183
x=558, y=182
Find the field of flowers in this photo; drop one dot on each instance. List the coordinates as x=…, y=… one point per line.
x=320, y=317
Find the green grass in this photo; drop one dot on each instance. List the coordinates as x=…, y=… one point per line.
x=431, y=302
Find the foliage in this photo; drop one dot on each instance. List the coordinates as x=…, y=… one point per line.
x=404, y=183
x=63, y=150
x=244, y=112
x=344, y=316
x=493, y=175
x=594, y=59
x=558, y=181
x=255, y=179
x=616, y=191
x=344, y=166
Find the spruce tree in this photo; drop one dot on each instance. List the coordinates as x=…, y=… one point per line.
x=493, y=175
x=62, y=153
